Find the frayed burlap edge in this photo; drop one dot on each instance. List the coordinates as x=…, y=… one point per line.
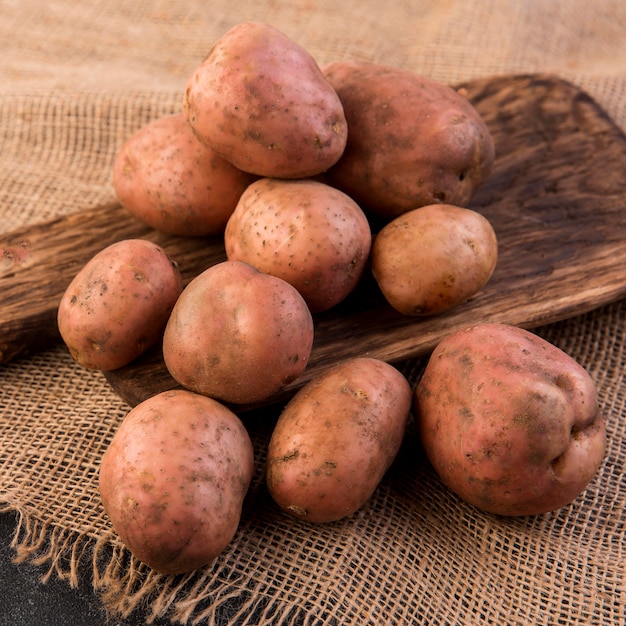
x=126, y=586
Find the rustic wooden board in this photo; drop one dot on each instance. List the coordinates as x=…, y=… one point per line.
x=38, y=262
x=556, y=200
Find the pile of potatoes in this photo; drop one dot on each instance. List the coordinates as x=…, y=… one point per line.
x=292, y=164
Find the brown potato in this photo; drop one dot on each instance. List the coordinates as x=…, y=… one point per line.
x=168, y=179
x=412, y=140
x=311, y=235
x=238, y=335
x=260, y=100
x=509, y=422
x=433, y=258
x=118, y=304
x=174, y=478
x=336, y=439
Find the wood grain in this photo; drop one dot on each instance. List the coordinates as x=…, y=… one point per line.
x=38, y=262
x=556, y=200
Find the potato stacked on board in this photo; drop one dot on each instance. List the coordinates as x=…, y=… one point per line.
x=292, y=164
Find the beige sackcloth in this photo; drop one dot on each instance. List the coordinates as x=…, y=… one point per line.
x=76, y=78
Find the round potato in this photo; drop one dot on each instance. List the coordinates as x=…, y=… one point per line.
x=260, y=100
x=336, y=439
x=238, y=335
x=433, y=258
x=118, y=304
x=168, y=179
x=174, y=478
x=311, y=235
x=510, y=422
x=412, y=142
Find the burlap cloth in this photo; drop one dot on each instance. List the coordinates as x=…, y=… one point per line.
x=75, y=79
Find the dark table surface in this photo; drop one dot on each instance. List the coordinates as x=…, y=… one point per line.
x=26, y=601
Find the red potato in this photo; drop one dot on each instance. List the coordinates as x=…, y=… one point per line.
x=307, y=233
x=168, y=179
x=238, y=335
x=509, y=422
x=174, y=478
x=260, y=100
x=434, y=258
x=336, y=439
x=412, y=142
x=118, y=304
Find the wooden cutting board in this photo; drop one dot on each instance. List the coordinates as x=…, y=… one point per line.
x=556, y=199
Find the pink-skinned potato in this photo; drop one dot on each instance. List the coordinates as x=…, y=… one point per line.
x=238, y=335
x=174, y=478
x=118, y=304
x=412, y=140
x=311, y=235
x=336, y=439
x=166, y=178
x=510, y=422
x=260, y=100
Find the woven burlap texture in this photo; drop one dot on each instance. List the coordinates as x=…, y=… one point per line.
x=75, y=80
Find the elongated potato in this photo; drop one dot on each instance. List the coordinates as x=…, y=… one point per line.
x=413, y=141
x=336, y=439
x=174, y=478
x=168, y=179
x=118, y=304
x=311, y=235
x=260, y=100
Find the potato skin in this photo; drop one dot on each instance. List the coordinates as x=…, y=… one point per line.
x=174, y=478
x=238, y=335
x=412, y=142
x=168, y=179
x=118, y=304
x=509, y=421
x=434, y=258
x=311, y=235
x=336, y=438
x=261, y=101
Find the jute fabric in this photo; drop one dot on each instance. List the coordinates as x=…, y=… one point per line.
x=76, y=78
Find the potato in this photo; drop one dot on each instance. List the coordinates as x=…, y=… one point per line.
x=238, y=335
x=412, y=142
x=118, y=304
x=173, y=480
x=260, y=100
x=509, y=421
x=311, y=235
x=336, y=438
x=168, y=179
x=432, y=259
